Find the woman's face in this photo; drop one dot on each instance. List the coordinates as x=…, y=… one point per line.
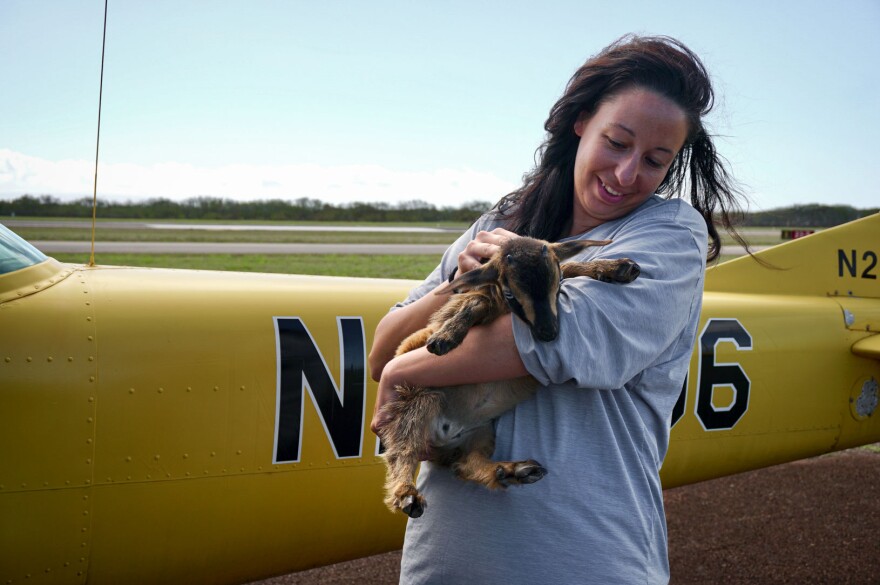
x=625, y=149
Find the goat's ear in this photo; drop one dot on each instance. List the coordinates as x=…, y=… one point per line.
x=565, y=250
x=471, y=279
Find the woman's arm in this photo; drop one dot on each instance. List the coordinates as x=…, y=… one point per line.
x=488, y=353
x=401, y=323
x=398, y=325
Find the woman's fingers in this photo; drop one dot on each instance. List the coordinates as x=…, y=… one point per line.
x=482, y=247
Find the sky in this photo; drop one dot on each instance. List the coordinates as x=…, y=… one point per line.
x=380, y=101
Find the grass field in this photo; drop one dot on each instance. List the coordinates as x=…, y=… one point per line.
x=414, y=267
x=380, y=266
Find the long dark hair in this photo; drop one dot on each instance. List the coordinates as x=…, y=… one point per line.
x=542, y=207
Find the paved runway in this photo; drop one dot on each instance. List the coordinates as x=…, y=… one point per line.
x=55, y=247
x=227, y=227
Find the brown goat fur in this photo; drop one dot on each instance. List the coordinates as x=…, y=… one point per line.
x=453, y=425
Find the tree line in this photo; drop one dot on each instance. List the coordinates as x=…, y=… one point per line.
x=213, y=208
x=306, y=209
x=811, y=215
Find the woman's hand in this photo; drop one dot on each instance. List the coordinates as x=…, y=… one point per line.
x=482, y=247
x=386, y=393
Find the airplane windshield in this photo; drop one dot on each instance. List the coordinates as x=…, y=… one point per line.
x=15, y=253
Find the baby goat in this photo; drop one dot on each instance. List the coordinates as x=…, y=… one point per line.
x=453, y=425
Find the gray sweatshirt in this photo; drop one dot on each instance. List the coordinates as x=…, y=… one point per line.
x=599, y=424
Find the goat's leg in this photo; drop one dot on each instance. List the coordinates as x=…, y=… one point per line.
x=414, y=341
x=400, y=490
x=475, y=465
x=620, y=271
x=405, y=436
x=457, y=320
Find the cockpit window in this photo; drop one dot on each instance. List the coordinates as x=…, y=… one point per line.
x=16, y=253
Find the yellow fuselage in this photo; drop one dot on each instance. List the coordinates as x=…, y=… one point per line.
x=163, y=426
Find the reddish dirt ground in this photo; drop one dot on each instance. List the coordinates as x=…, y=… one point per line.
x=811, y=521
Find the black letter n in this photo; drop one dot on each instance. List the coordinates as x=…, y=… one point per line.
x=301, y=367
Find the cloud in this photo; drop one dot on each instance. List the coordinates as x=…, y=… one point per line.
x=71, y=179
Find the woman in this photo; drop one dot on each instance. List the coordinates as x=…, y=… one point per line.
x=623, y=141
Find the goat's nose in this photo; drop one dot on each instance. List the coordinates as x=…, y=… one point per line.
x=546, y=331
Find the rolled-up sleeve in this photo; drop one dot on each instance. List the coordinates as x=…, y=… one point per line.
x=447, y=263
x=610, y=333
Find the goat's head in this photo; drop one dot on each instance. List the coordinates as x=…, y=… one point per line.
x=526, y=272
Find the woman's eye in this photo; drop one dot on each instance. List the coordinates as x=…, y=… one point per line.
x=654, y=163
x=615, y=144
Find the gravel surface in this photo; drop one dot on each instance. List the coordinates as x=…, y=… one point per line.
x=811, y=521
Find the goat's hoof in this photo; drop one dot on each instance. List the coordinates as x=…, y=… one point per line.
x=412, y=505
x=439, y=346
x=626, y=272
x=521, y=472
x=529, y=471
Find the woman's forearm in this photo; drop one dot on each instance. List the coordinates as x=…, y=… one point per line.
x=488, y=353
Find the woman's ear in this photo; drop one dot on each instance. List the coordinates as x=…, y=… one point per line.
x=580, y=123
x=471, y=279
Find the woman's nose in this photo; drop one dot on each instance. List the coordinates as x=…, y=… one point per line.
x=627, y=171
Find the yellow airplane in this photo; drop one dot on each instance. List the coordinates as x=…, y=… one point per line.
x=176, y=426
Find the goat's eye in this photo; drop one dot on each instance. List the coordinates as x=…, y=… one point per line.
x=507, y=293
